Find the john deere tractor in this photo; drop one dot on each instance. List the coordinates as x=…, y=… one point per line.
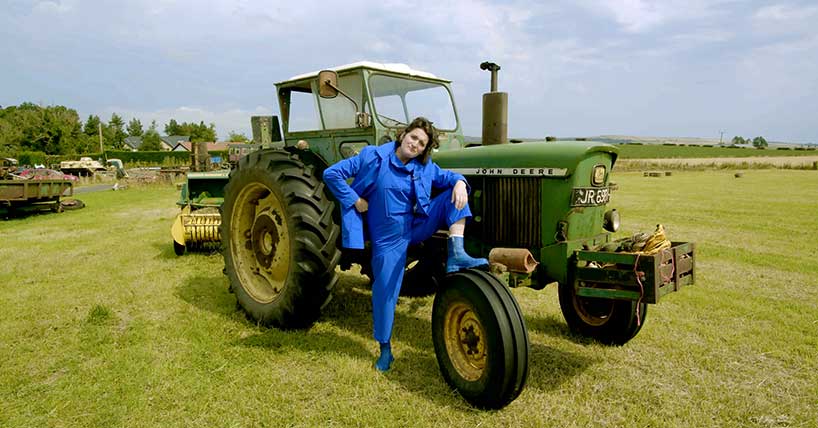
x=540, y=215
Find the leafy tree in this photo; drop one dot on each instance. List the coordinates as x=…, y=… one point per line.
x=10, y=135
x=91, y=125
x=197, y=132
x=204, y=132
x=235, y=137
x=30, y=127
x=173, y=128
x=759, y=142
x=116, y=131
x=151, y=140
x=135, y=128
x=738, y=140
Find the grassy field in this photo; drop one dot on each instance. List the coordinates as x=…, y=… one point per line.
x=102, y=326
x=654, y=151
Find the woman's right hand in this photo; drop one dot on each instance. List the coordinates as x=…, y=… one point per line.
x=361, y=205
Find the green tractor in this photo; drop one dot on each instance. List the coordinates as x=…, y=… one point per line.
x=540, y=216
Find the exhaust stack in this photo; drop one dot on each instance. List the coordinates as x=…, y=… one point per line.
x=495, y=110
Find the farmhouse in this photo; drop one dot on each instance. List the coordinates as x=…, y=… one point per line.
x=133, y=143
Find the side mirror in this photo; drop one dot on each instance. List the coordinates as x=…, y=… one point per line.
x=327, y=84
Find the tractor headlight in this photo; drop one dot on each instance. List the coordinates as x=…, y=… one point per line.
x=611, y=221
x=598, y=177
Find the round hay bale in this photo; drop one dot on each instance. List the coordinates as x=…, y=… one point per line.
x=738, y=174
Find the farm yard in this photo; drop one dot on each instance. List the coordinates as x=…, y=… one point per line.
x=102, y=325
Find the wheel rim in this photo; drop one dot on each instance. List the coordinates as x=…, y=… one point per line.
x=260, y=242
x=594, y=312
x=465, y=341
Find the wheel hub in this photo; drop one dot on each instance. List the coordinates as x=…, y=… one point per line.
x=592, y=311
x=260, y=242
x=465, y=341
x=264, y=239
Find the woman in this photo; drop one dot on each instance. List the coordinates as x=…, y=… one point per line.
x=392, y=186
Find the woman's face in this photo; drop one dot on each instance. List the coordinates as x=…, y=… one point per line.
x=413, y=144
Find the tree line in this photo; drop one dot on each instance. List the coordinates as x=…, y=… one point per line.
x=58, y=130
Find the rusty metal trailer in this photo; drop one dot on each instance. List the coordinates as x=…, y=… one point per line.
x=32, y=195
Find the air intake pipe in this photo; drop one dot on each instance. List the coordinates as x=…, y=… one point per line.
x=495, y=110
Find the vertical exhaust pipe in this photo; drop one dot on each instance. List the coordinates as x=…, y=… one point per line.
x=495, y=110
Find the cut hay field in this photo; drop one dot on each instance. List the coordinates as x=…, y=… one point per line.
x=101, y=325
x=656, y=151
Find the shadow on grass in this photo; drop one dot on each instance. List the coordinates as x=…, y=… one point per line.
x=555, y=327
x=166, y=250
x=208, y=293
x=416, y=367
x=549, y=368
x=351, y=310
x=280, y=341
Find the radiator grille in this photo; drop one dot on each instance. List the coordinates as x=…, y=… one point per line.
x=510, y=211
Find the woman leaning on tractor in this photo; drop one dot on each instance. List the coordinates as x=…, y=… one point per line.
x=392, y=188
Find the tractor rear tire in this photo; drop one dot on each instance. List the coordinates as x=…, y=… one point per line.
x=279, y=240
x=480, y=339
x=608, y=321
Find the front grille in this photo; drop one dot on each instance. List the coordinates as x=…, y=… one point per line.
x=509, y=210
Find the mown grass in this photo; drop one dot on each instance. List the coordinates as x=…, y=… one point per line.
x=101, y=325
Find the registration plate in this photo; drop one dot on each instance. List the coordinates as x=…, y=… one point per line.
x=590, y=196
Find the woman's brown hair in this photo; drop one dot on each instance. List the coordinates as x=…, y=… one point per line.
x=431, y=132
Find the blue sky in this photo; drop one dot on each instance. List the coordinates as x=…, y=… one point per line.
x=572, y=68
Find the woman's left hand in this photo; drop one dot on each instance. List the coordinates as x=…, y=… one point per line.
x=459, y=195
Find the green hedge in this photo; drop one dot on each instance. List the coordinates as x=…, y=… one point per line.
x=130, y=159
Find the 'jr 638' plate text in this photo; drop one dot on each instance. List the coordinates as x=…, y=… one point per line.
x=590, y=196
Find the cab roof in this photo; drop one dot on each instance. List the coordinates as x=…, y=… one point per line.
x=396, y=68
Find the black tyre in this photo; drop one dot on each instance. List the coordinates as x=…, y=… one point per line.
x=178, y=248
x=72, y=204
x=279, y=239
x=608, y=321
x=480, y=339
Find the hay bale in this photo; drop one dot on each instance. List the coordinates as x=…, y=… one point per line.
x=738, y=174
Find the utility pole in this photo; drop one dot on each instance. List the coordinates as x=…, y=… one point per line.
x=721, y=136
x=99, y=126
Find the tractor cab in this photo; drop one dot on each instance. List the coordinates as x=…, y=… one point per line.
x=336, y=112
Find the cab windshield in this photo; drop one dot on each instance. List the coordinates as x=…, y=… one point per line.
x=398, y=101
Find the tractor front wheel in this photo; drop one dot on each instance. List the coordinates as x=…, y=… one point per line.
x=480, y=339
x=279, y=239
x=608, y=321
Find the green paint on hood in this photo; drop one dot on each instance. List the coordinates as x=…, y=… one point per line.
x=534, y=154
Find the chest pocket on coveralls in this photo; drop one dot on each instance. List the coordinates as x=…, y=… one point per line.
x=399, y=201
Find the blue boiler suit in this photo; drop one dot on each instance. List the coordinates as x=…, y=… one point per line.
x=400, y=213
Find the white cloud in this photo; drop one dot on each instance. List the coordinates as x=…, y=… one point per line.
x=640, y=16
x=783, y=13
x=786, y=19
x=54, y=6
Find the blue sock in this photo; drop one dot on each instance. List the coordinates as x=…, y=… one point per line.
x=386, y=358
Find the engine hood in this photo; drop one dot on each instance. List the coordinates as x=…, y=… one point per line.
x=560, y=157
